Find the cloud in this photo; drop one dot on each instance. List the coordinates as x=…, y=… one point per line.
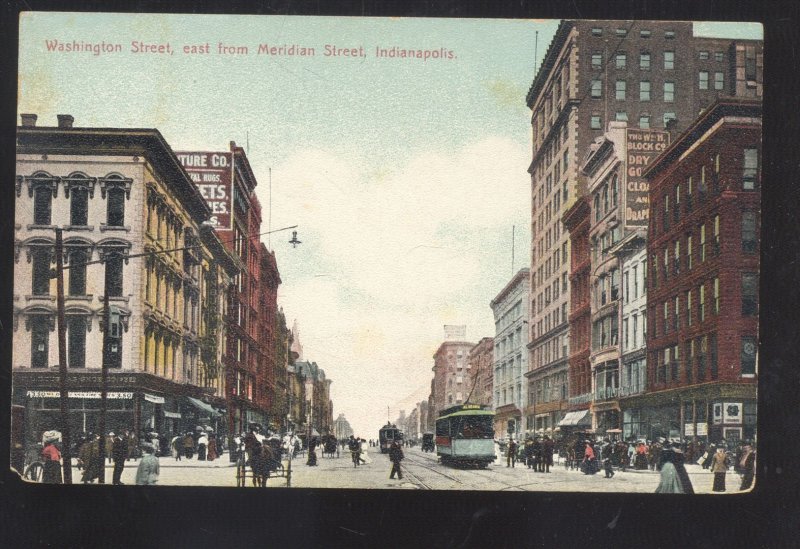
x=392, y=253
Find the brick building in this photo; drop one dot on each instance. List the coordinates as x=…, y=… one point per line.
x=449, y=385
x=703, y=247
x=576, y=223
x=643, y=73
x=480, y=372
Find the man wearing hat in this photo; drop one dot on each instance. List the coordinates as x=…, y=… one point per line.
x=747, y=464
x=396, y=456
x=147, y=472
x=119, y=453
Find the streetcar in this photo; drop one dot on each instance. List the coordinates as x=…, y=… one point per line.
x=387, y=435
x=465, y=435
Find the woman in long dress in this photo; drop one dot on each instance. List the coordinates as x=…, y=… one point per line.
x=364, y=456
x=670, y=483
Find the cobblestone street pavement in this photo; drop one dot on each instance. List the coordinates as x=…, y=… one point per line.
x=421, y=471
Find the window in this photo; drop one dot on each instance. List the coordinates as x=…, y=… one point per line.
x=76, y=342
x=621, y=116
x=597, y=89
x=716, y=235
x=750, y=169
x=621, y=33
x=702, y=243
x=669, y=60
x=40, y=259
x=666, y=317
x=597, y=31
x=669, y=116
x=749, y=294
x=644, y=121
x=703, y=55
x=676, y=258
x=689, y=252
x=644, y=61
x=644, y=90
x=719, y=81
x=669, y=35
x=701, y=306
x=703, y=80
x=77, y=271
x=669, y=92
x=621, y=60
x=116, y=207
x=644, y=33
x=748, y=355
x=749, y=241
x=635, y=282
x=114, y=274
x=689, y=307
x=42, y=205
x=597, y=60
x=716, y=296
x=40, y=340
x=621, y=85
x=719, y=56
x=595, y=122
x=79, y=206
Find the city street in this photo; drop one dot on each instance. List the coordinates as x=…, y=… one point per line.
x=421, y=472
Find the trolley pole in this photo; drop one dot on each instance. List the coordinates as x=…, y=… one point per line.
x=62, y=360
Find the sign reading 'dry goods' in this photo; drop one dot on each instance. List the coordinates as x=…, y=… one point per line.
x=642, y=147
x=211, y=172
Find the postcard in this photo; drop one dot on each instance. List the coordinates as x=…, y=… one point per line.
x=387, y=253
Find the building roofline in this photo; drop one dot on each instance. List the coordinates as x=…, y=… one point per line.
x=726, y=106
x=549, y=60
x=515, y=280
x=146, y=142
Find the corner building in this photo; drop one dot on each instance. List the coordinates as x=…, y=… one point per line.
x=133, y=222
x=703, y=278
x=647, y=74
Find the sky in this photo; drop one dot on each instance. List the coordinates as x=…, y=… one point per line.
x=406, y=177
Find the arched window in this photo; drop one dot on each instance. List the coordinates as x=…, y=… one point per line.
x=115, y=189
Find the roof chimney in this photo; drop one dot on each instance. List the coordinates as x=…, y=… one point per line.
x=28, y=120
x=65, y=120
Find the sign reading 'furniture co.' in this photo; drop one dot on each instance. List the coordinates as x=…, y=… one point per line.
x=642, y=147
x=211, y=172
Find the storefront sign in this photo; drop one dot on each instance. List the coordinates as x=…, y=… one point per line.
x=79, y=394
x=732, y=412
x=154, y=399
x=702, y=430
x=717, y=413
x=174, y=415
x=642, y=147
x=211, y=173
x=688, y=429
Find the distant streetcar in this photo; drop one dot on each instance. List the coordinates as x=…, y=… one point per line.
x=465, y=435
x=387, y=435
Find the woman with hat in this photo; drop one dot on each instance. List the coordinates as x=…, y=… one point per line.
x=148, y=470
x=52, y=463
x=719, y=466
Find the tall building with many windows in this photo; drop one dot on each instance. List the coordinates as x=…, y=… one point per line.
x=702, y=283
x=450, y=382
x=510, y=308
x=133, y=222
x=646, y=74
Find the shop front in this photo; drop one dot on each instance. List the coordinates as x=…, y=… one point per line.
x=508, y=422
x=137, y=402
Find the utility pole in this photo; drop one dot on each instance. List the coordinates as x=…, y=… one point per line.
x=104, y=379
x=62, y=360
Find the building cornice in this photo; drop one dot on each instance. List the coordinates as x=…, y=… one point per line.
x=146, y=143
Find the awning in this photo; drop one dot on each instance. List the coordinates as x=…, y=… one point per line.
x=580, y=417
x=200, y=405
